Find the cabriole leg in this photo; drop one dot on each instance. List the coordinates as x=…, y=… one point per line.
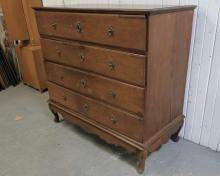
x=175, y=137
x=141, y=161
x=56, y=116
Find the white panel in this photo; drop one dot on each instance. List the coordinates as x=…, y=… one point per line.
x=218, y=144
x=156, y=2
x=195, y=68
x=195, y=2
x=207, y=52
x=212, y=90
x=171, y=2
x=139, y=1
x=149, y=2
x=113, y=1
x=215, y=129
x=68, y=2
x=80, y=2
x=103, y=1
x=75, y=1
x=184, y=2
x=52, y=2
x=72, y=2
x=125, y=1
x=83, y=2
x=215, y=125
x=190, y=2
x=93, y=1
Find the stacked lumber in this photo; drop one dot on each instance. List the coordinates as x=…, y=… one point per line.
x=8, y=73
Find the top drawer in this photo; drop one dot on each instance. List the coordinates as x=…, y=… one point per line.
x=126, y=31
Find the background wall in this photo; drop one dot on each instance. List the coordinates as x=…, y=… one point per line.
x=202, y=97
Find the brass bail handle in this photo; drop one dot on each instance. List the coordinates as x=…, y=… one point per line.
x=83, y=83
x=86, y=107
x=110, y=31
x=113, y=119
x=78, y=27
x=82, y=57
x=112, y=65
x=112, y=93
x=54, y=26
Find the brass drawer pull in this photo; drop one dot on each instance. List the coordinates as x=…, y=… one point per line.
x=78, y=27
x=110, y=31
x=64, y=98
x=112, y=93
x=83, y=83
x=54, y=26
x=82, y=57
x=112, y=65
x=113, y=119
x=85, y=107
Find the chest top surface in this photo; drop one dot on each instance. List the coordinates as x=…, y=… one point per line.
x=111, y=8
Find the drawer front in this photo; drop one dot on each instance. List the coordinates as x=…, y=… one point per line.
x=116, y=64
x=125, y=96
x=113, y=118
x=126, y=31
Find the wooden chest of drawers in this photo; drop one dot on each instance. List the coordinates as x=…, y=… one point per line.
x=118, y=72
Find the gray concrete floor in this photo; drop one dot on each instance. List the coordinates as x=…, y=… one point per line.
x=31, y=144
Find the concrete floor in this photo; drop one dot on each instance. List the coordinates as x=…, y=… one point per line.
x=31, y=144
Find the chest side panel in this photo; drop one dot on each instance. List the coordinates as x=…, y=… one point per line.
x=169, y=42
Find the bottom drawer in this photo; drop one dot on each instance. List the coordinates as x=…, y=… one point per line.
x=111, y=117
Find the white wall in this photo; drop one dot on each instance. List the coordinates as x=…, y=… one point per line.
x=202, y=98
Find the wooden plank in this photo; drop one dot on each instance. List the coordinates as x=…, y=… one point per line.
x=15, y=19
x=31, y=20
x=195, y=68
x=205, y=64
x=32, y=68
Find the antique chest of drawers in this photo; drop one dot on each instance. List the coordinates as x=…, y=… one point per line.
x=118, y=72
